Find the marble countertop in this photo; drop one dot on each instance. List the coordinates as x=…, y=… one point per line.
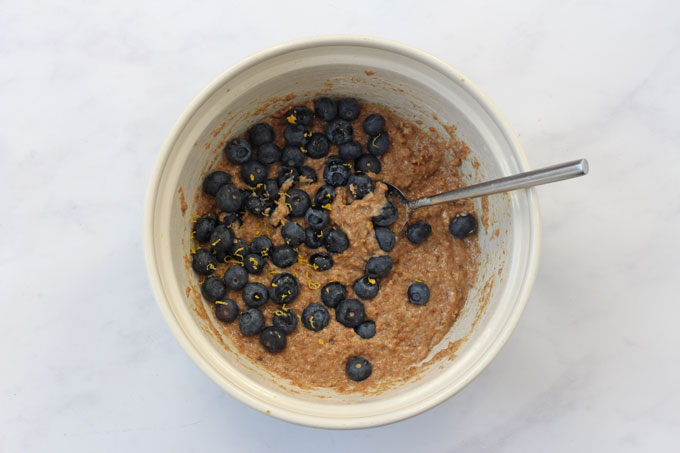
x=87, y=94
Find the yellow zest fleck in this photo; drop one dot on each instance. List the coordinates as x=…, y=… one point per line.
x=419, y=280
x=311, y=322
x=327, y=206
x=252, y=177
x=192, y=250
x=307, y=134
x=321, y=342
x=283, y=221
x=238, y=253
x=283, y=296
x=193, y=234
x=284, y=308
x=289, y=206
x=273, y=272
x=210, y=267
x=311, y=283
x=221, y=302
x=374, y=139
x=216, y=242
x=291, y=118
x=274, y=285
x=371, y=281
x=194, y=218
x=302, y=260
x=315, y=266
x=303, y=149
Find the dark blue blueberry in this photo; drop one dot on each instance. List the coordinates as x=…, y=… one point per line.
x=284, y=256
x=286, y=319
x=350, y=313
x=229, y=198
x=336, y=173
x=418, y=293
x=333, y=293
x=221, y=241
x=232, y=219
x=271, y=189
x=253, y=263
x=273, y=339
x=386, y=239
x=287, y=173
x=296, y=135
x=268, y=153
x=251, y=322
x=339, y=132
x=349, y=151
x=255, y=205
x=325, y=109
x=360, y=185
x=318, y=146
x=238, y=151
x=462, y=225
x=236, y=277
x=314, y=239
x=253, y=173
x=293, y=234
x=284, y=288
x=261, y=245
x=378, y=266
x=204, y=227
x=325, y=195
x=299, y=202
x=260, y=134
x=255, y=294
x=368, y=163
x=358, y=368
x=213, y=289
x=348, y=109
x=336, y=240
x=300, y=115
x=418, y=232
x=366, y=287
x=239, y=249
x=226, y=310
x=292, y=156
x=321, y=261
x=317, y=218
x=373, y=124
x=387, y=216
x=365, y=330
x=379, y=144
x=214, y=181
x=309, y=174
x=315, y=317
x=203, y=262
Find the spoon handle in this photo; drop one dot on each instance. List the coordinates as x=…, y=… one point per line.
x=532, y=178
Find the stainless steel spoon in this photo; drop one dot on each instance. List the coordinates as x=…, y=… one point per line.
x=532, y=178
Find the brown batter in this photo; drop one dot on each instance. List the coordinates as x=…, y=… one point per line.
x=406, y=333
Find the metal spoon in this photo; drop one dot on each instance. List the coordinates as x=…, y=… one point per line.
x=532, y=178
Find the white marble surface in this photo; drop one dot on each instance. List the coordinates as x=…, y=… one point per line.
x=88, y=92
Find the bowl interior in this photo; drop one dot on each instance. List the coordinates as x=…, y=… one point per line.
x=417, y=88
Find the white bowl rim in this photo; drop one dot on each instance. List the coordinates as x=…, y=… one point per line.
x=487, y=355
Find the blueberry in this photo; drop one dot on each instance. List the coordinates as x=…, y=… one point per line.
x=366, y=287
x=204, y=227
x=368, y=163
x=253, y=173
x=317, y=218
x=379, y=144
x=378, y=266
x=251, y=321
x=387, y=216
x=299, y=202
x=284, y=288
x=300, y=115
x=292, y=156
x=373, y=124
x=203, y=262
x=229, y=198
x=255, y=205
x=339, y=132
x=348, y=109
x=325, y=195
x=349, y=151
x=238, y=151
x=350, y=313
x=231, y=219
x=318, y=146
x=314, y=239
x=309, y=174
x=255, y=294
x=321, y=261
x=287, y=173
x=273, y=339
x=239, y=249
x=336, y=173
x=418, y=293
x=284, y=256
x=296, y=135
x=333, y=293
x=271, y=189
x=365, y=330
x=418, y=232
x=360, y=185
x=293, y=234
x=462, y=225
x=261, y=245
x=213, y=289
x=221, y=241
x=253, y=263
x=386, y=239
x=236, y=277
x=325, y=109
x=261, y=133
x=286, y=319
x=315, y=317
x=358, y=368
x=336, y=240
x=268, y=153
x=214, y=181
x=226, y=310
